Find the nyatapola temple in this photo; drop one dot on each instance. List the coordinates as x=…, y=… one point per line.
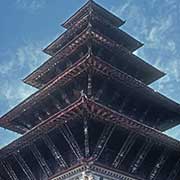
x=94, y=117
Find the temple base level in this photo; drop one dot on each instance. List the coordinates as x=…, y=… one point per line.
x=92, y=172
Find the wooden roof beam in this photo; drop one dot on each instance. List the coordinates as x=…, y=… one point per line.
x=40, y=159
x=70, y=47
x=124, y=150
x=173, y=174
x=8, y=168
x=68, y=135
x=159, y=165
x=55, y=152
x=91, y=107
x=103, y=140
x=86, y=136
x=25, y=168
x=138, y=160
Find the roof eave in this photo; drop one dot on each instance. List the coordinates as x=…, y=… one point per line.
x=119, y=22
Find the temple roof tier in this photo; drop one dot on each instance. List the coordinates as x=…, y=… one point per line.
x=95, y=21
x=93, y=36
x=89, y=62
x=75, y=110
x=38, y=96
x=91, y=7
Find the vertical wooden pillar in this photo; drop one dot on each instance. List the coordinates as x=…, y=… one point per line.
x=89, y=88
x=86, y=136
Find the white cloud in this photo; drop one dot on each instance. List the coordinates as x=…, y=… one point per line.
x=14, y=94
x=156, y=31
x=30, y=5
x=30, y=55
x=18, y=64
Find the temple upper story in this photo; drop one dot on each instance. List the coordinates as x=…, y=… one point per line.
x=96, y=53
x=106, y=40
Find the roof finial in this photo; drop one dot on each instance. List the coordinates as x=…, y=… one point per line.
x=90, y=1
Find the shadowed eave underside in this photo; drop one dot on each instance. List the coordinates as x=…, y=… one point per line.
x=96, y=64
x=129, y=42
x=83, y=38
x=99, y=111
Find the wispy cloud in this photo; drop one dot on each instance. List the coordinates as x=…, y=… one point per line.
x=14, y=65
x=30, y=5
x=17, y=63
x=6, y=137
x=157, y=31
x=157, y=27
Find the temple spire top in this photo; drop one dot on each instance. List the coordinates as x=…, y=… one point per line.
x=98, y=10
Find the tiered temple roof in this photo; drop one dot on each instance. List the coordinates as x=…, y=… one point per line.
x=68, y=54
x=32, y=107
x=94, y=111
x=93, y=8
x=78, y=34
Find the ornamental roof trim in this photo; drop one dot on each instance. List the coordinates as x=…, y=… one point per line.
x=92, y=107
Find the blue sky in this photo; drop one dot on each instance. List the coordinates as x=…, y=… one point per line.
x=28, y=26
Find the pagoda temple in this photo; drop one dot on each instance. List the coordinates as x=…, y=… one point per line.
x=94, y=117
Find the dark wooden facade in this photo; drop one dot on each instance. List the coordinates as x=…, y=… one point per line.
x=94, y=115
